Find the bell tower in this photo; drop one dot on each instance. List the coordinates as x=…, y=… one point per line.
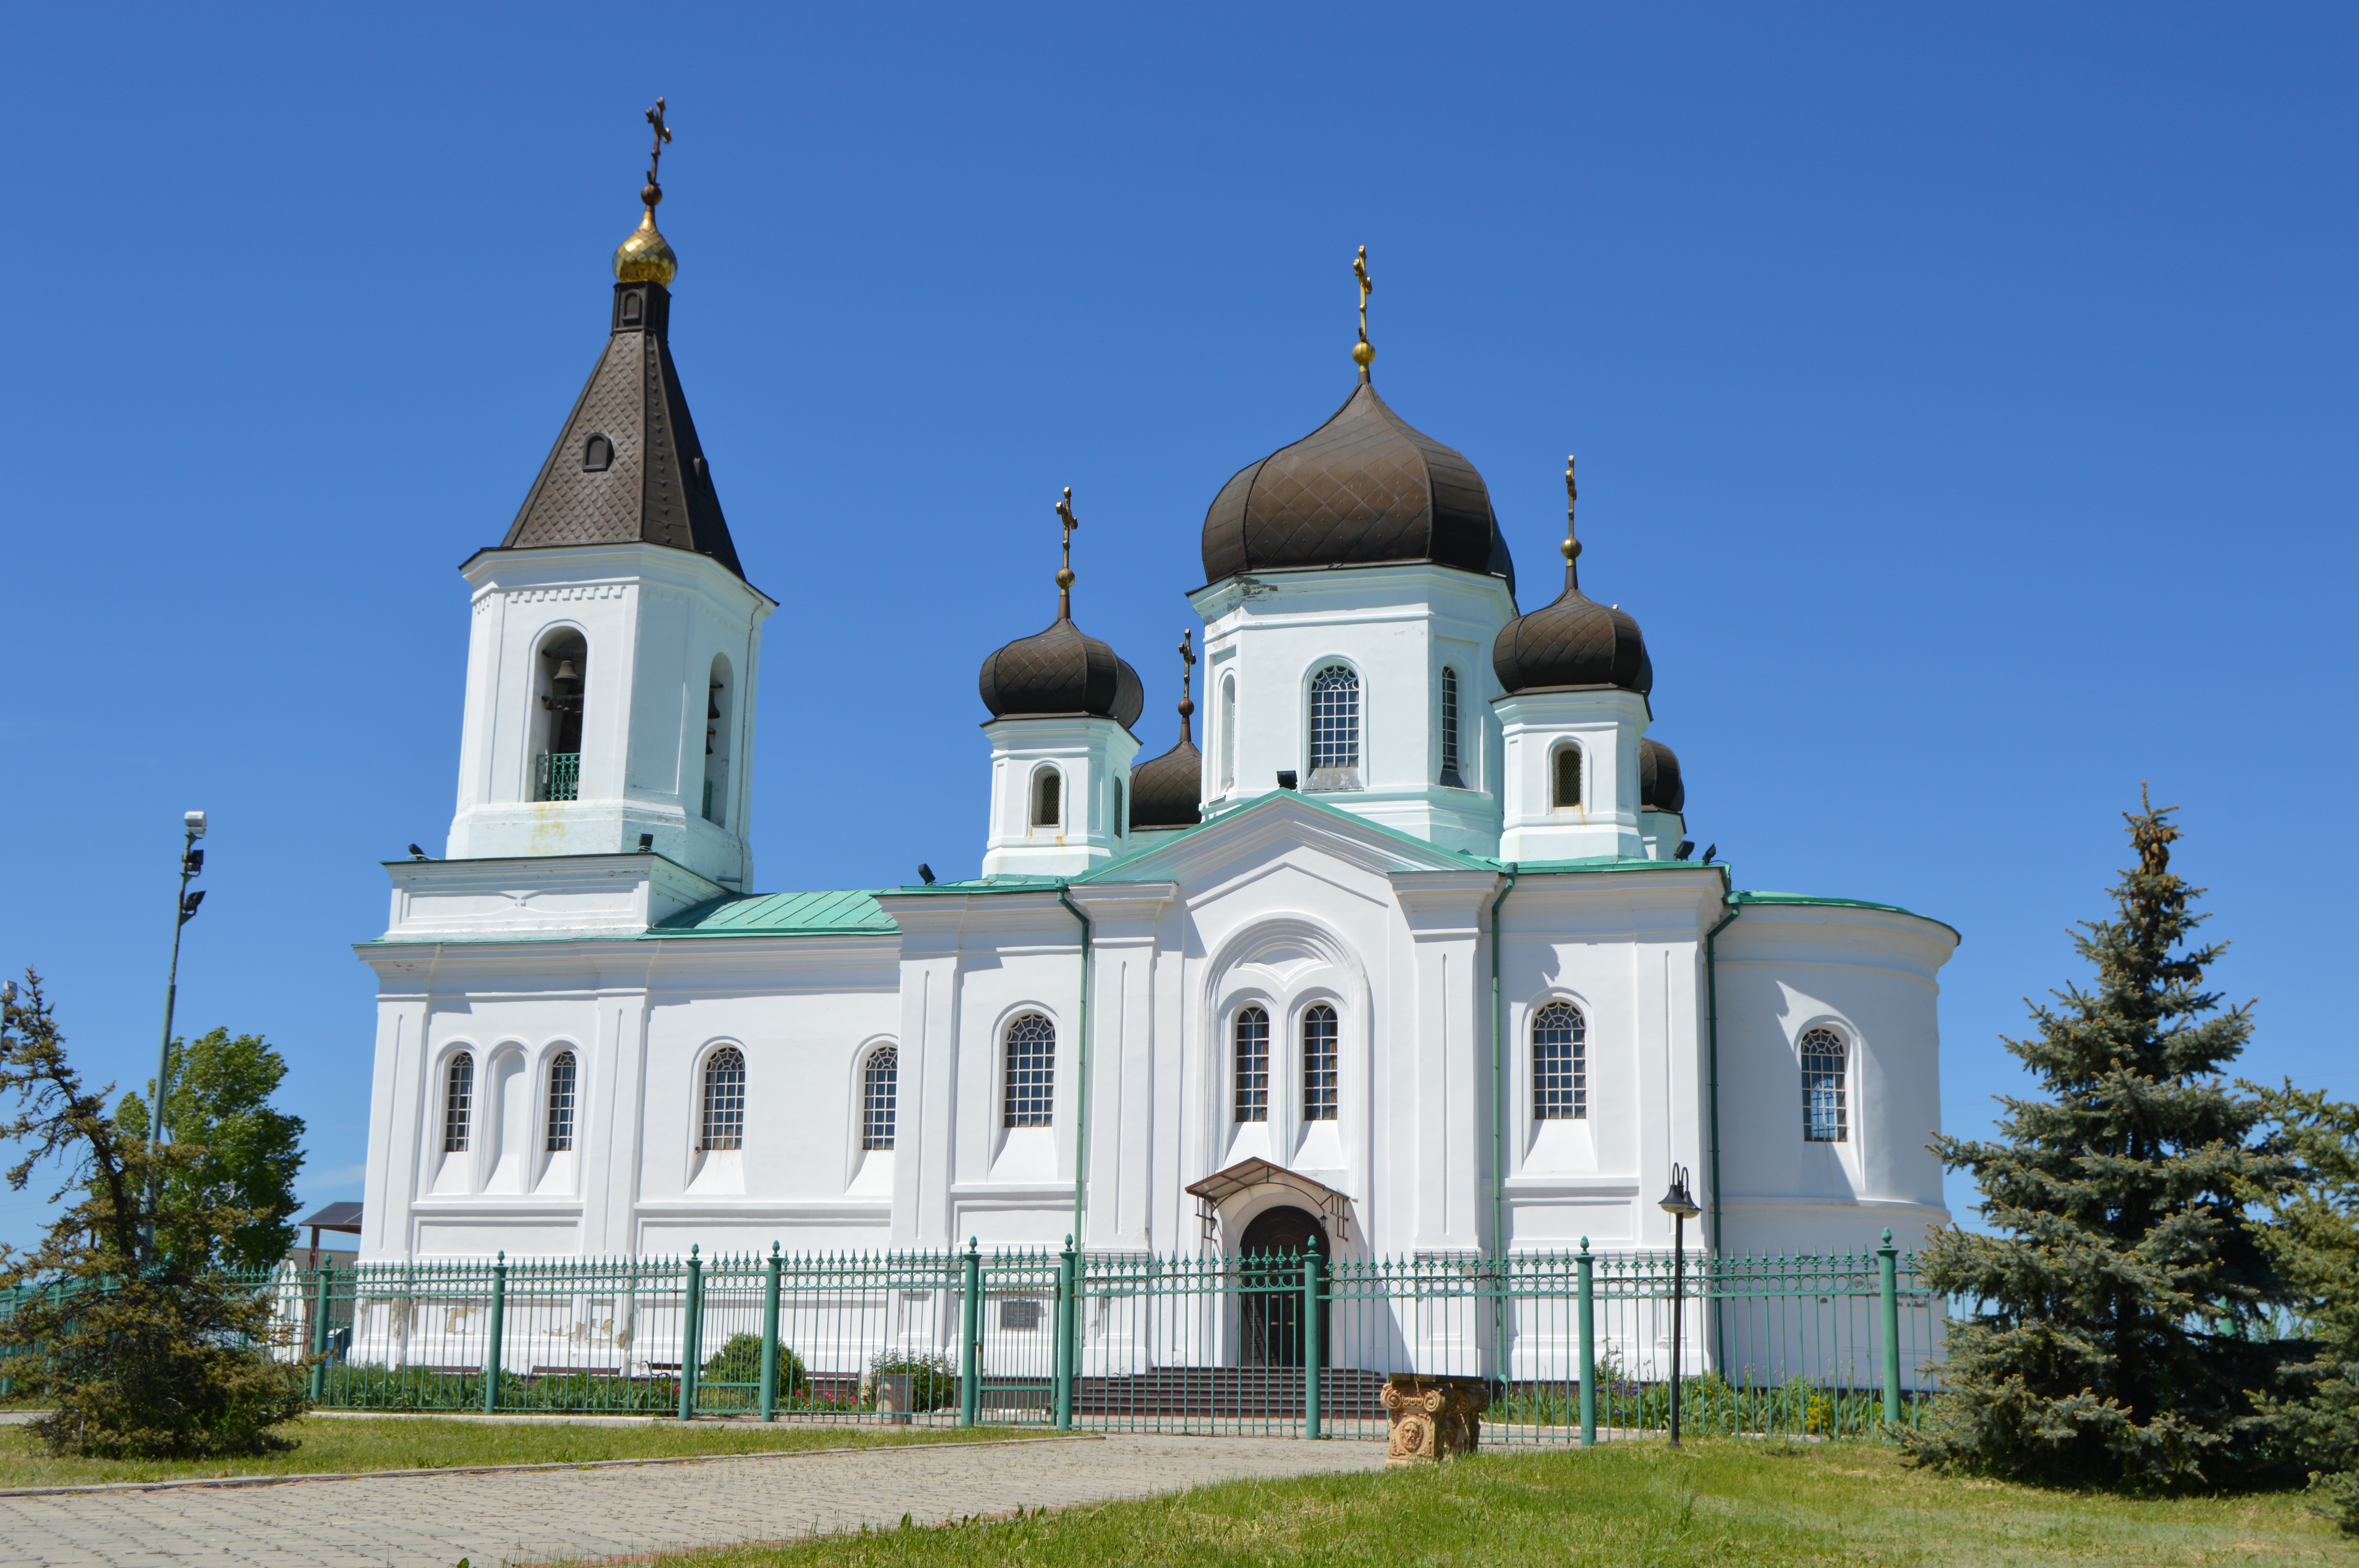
x=615, y=644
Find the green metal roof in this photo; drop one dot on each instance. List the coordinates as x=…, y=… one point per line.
x=1805, y=898
x=850, y=912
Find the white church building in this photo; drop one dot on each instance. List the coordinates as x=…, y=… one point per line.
x=1414, y=955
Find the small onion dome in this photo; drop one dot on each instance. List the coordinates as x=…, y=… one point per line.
x=1574, y=641
x=645, y=255
x=1659, y=788
x=1061, y=671
x=1366, y=487
x=1169, y=791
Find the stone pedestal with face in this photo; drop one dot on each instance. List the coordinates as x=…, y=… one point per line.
x=1433, y=1419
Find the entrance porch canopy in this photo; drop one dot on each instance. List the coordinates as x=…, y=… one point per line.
x=1218, y=1188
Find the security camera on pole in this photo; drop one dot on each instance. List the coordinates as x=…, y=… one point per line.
x=184, y=908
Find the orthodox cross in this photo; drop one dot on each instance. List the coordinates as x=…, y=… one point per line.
x=1572, y=546
x=1065, y=572
x=1187, y=670
x=662, y=135
x=1367, y=286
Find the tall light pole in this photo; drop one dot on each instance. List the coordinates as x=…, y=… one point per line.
x=1681, y=1208
x=184, y=906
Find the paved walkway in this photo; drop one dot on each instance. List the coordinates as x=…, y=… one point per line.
x=432, y=1521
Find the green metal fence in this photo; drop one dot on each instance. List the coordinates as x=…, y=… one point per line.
x=1568, y=1346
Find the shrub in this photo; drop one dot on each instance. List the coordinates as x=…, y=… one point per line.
x=933, y=1382
x=739, y=1360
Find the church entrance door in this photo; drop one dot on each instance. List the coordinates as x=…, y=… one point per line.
x=1271, y=1257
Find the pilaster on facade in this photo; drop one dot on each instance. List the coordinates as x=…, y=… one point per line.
x=1124, y=918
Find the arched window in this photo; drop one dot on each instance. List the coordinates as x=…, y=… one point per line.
x=1823, y=1116
x=1565, y=792
x=597, y=455
x=1121, y=818
x=561, y=1103
x=458, y=1103
x=1253, y=1064
x=1318, y=1064
x=1336, y=728
x=564, y=679
x=1228, y=733
x=878, y=1090
x=1450, y=773
x=724, y=1100
x=717, y=696
x=1031, y=1072
x=1559, y=1064
x=1046, y=799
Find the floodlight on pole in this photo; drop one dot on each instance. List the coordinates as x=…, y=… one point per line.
x=184, y=909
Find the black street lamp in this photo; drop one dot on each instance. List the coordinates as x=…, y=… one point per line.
x=184, y=907
x=1681, y=1208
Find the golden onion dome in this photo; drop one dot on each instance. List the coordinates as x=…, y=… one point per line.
x=646, y=256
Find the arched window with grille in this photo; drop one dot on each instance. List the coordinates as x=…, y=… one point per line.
x=879, y=1089
x=1253, y=1064
x=1319, y=1048
x=1031, y=1072
x=1336, y=728
x=1559, y=1064
x=458, y=1102
x=1047, y=798
x=1450, y=774
x=724, y=1102
x=560, y=1104
x=1564, y=785
x=1825, y=1117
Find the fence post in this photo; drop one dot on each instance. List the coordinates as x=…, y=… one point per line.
x=1314, y=1341
x=1888, y=1282
x=770, y=1338
x=499, y=1317
x=970, y=1338
x=1068, y=1321
x=1586, y=1267
x=320, y=1332
x=692, y=1333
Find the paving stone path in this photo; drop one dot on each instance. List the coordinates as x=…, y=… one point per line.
x=431, y=1521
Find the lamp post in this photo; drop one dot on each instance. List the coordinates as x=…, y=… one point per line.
x=184, y=907
x=1681, y=1208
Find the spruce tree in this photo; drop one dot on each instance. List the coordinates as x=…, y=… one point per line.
x=2310, y=1231
x=2120, y=1311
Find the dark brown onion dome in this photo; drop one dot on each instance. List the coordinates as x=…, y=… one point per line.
x=1659, y=788
x=1574, y=641
x=1169, y=791
x=1366, y=487
x=1061, y=671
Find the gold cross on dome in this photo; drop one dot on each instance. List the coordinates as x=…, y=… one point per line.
x=662, y=135
x=1367, y=286
x=1065, y=573
x=1187, y=660
x=1572, y=546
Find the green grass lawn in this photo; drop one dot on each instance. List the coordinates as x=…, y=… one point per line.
x=344, y=1443
x=1726, y=1502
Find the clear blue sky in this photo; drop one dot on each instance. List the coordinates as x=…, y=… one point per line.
x=1964, y=399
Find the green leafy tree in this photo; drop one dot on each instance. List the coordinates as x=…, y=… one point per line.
x=247, y=1152
x=2310, y=1229
x=2122, y=1304
x=142, y=1343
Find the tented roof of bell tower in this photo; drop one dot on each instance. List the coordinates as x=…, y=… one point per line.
x=627, y=467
